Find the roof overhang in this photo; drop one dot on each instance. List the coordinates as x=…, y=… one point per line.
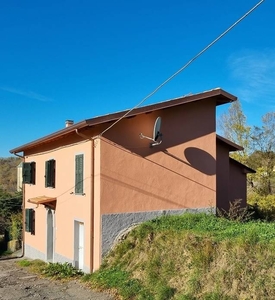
x=218, y=95
x=230, y=145
x=45, y=200
x=245, y=168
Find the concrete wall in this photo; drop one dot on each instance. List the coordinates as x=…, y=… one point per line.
x=115, y=225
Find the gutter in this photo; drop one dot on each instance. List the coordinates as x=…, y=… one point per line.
x=18, y=155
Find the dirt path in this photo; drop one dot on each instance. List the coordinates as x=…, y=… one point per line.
x=16, y=283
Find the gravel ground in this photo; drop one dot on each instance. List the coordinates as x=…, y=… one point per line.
x=18, y=283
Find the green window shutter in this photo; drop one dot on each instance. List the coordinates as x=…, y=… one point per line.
x=33, y=172
x=50, y=173
x=29, y=220
x=26, y=173
x=79, y=173
x=47, y=173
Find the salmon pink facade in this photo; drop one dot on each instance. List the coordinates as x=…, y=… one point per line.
x=83, y=189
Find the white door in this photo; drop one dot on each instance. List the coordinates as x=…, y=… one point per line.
x=79, y=245
x=50, y=245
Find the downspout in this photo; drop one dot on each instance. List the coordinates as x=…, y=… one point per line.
x=94, y=143
x=91, y=197
x=92, y=204
x=18, y=155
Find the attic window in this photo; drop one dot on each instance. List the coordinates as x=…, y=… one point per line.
x=50, y=173
x=28, y=172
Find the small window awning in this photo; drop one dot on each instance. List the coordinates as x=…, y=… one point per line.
x=48, y=201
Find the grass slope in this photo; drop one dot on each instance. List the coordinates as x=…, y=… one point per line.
x=192, y=256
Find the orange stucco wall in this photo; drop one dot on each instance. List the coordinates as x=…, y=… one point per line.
x=69, y=207
x=179, y=173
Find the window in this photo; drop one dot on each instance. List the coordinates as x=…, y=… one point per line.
x=50, y=173
x=28, y=172
x=30, y=220
x=79, y=174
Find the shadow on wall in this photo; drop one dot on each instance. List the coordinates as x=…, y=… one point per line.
x=175, y=121
x=197, y=159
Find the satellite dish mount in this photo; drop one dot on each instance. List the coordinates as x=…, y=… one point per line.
x=157, y=135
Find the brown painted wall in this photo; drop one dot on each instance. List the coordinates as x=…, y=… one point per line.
x=222, y=176
x=237, y=183
x=231, y=180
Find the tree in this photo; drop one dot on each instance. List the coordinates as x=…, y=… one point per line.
x=9, y=204
x=8, y=173
x=263, y=159
x=233, y=126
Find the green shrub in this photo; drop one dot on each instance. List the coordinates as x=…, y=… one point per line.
x=15, y=228
x=61, y=271
x=264, y=206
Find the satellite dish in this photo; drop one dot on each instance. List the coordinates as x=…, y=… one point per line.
x=156, y=133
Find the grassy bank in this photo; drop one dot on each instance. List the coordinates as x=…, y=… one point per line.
x=192, y=257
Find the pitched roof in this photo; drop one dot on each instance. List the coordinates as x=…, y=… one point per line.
x=231, y=146
x=219, y=95
x=245, y=168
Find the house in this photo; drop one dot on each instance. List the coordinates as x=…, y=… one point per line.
x=82, y=188
x=19, y=177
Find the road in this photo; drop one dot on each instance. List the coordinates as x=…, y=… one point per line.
x=17, y=283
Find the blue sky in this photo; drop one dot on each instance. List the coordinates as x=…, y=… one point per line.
x=75, y=60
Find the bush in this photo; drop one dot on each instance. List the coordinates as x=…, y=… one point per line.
x=236, y=212
x=15, y=228
x=264, y=206
x=61, y=271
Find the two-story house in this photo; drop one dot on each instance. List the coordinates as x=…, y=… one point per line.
x=82, y=188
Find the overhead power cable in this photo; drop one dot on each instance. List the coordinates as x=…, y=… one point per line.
x=184, y=67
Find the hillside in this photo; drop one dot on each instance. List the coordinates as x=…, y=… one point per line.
x=8, y=173
x=192, y=257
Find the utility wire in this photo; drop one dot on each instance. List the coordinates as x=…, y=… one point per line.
x=183, y=67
